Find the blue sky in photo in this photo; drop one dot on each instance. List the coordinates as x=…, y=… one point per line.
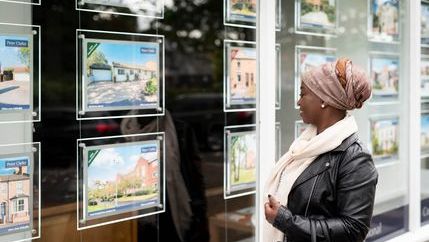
x=245, y=52
x=379, y=63
x=425, y=123
x=9, y=171
x=386, y=123
x=375, y=4
x=127, y=52
x=9, y=55
x=113, y=160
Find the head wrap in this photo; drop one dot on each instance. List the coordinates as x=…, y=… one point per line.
x=339, y=84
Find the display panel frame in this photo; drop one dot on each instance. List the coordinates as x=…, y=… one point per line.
x=29, y=75
x=33, y=2
x=313, y=49
x=228, y=19
x=229, y=104
x=384, y=99
x=278, y=77
x=315, y=30
x=300, y=126
x=122, y=111
x=374, y=37
x=278, y=140
x=81, y=5
x=279, y=17
x=110, y=143
x=241, y=189
x=384, y=159
x=31, y=153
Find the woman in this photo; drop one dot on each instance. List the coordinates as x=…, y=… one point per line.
x=323, y=188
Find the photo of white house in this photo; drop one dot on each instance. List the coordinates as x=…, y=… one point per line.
x=121, y=75
x=15, y=72
x=385, y=137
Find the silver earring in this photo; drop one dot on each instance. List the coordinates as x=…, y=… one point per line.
x=323, y=105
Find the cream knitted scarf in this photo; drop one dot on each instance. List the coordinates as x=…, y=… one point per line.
x=304, y=150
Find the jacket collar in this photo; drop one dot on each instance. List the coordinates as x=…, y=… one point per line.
x=321, y=164
x=346, y=143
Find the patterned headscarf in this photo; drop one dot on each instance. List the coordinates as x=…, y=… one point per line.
x=339, y=84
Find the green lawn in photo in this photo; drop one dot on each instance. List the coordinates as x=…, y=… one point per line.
x=245, y=176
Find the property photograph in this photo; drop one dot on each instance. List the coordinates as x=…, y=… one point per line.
x=15, y=72
x=121, y=75
x=139, y=7
x=385, y=138
x=424, y=138
x=242, y=75
x=425, y=23
x=15, y=207
x=121, y=178
x=241, y=10
x=384, y=75
x=241, y=163
x=320, y=14
x=424, y=75
x=384, y=20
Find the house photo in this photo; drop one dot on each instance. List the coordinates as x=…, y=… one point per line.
x=242, y=75
x=15, y=72
x=122, y=178
x=14, y=194
x=121, y=75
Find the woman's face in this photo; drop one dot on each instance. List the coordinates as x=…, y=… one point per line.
x=309, y=105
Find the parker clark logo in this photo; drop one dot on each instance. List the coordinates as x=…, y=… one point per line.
x=16, y=163
x=144, y=50
x=16, y=43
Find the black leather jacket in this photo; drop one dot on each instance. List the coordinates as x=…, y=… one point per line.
x=333, y=199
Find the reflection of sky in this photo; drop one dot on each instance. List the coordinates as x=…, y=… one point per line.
x=425, y=123
x=379, y=63
x=127, y=53
x=114, y=160
x=9, y=55
x=9, y=171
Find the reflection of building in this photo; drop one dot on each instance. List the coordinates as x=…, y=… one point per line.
x=14, y=198
x=242, y=74
x=118, y=72
x=386, y=135
x=145, y=172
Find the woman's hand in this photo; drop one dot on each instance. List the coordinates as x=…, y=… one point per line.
x=271, y=208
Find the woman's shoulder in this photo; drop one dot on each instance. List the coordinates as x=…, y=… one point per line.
x=356, y=157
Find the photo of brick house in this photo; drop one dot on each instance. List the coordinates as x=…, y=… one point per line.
x=14, y=193
x=242, y=75
x=122, y=178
